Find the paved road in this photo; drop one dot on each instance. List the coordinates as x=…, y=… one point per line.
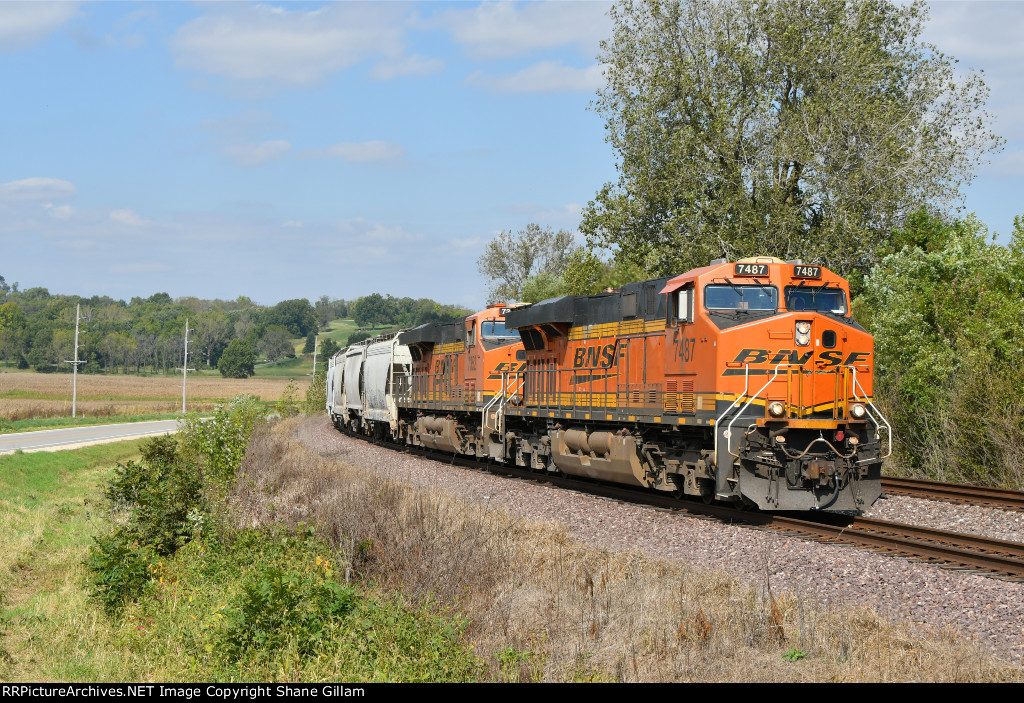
x=72, y=437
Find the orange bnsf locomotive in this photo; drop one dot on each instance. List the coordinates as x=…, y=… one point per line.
x=743, y=382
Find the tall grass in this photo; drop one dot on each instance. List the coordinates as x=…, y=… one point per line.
x=543, y=607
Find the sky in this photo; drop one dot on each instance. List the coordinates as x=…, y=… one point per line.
x=288, y=150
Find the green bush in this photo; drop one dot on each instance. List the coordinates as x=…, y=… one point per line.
x=281, y=608
x=218, y=443
x=316, y=394
x=287, y=405
x=945, y=310
x=163, y=496
x=120, y=570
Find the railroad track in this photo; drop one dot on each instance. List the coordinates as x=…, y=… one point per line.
x=953, y=493
x=952, y=550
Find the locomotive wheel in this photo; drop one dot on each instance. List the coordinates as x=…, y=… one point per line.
x=707, y=490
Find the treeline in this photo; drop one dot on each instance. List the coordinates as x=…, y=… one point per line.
x=373, y=312
x=37, y=329
x=147, y=335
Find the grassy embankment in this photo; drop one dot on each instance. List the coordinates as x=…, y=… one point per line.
x=541, y=606
x=231, y=605
x=49, y=509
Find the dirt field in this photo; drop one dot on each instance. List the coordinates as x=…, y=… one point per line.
x=26, y=395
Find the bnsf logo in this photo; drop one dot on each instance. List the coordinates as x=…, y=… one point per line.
x=594, y=357
x=445, y=365
x=790, y=356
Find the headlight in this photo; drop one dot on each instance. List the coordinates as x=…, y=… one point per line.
x=776, y=409
x=803, y=333
x=858, y=411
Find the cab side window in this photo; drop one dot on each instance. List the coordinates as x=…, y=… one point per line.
x=682, y=305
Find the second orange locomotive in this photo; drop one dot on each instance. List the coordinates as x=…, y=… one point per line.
x=745, y=382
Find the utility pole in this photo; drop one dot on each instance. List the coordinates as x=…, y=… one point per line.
x=74, y=364
x=184, y=369
x=316, y=346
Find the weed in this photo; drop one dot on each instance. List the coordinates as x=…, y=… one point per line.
x=120, y=570
x=279, y=606
x=793, y=655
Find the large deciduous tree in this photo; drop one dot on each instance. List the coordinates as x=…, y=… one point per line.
x=796, y=128
x=512, y=258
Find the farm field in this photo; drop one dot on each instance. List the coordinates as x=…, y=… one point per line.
x=35, y=395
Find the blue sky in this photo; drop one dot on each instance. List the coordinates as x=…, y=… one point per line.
x=300, y=149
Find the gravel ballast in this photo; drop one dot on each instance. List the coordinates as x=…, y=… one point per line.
x=988, y=610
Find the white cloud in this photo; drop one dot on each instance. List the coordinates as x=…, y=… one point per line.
x=297, y=224
x=288, y=46
x=506, y=29
x=361, y=152
x=540, y=214
x=380, y=233
x=469, y=243
x=256, y=154
x=59, y=212
x=127, y=217
x=542, y=77
x=24, y=23
x=406, y=66
x=37, y=189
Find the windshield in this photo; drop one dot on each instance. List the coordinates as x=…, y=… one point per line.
x=496, y=328
x=817, y=298
x=746, y=297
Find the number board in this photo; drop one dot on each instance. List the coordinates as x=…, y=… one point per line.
x=751, y=269
x=801, y=271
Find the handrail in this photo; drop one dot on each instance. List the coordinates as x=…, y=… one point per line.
x=857, y=391
x=499, y=398
x=888, y=427
x=746, y=386
x=740, y=412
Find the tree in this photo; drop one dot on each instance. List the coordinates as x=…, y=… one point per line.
x=542, y=286
x=794, y=128
x=323, y=310
x=213, y=330
x=238, y=360
x=276, y=343
x=949, y=349
x=374, y=310
x=328, y=348
x=512, y=258
x=297, y=316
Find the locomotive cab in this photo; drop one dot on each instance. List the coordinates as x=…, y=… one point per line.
x=795, y=428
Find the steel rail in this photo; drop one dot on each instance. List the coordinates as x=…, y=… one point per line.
x=955, y=550
x=948, y=549
x=954, y=493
